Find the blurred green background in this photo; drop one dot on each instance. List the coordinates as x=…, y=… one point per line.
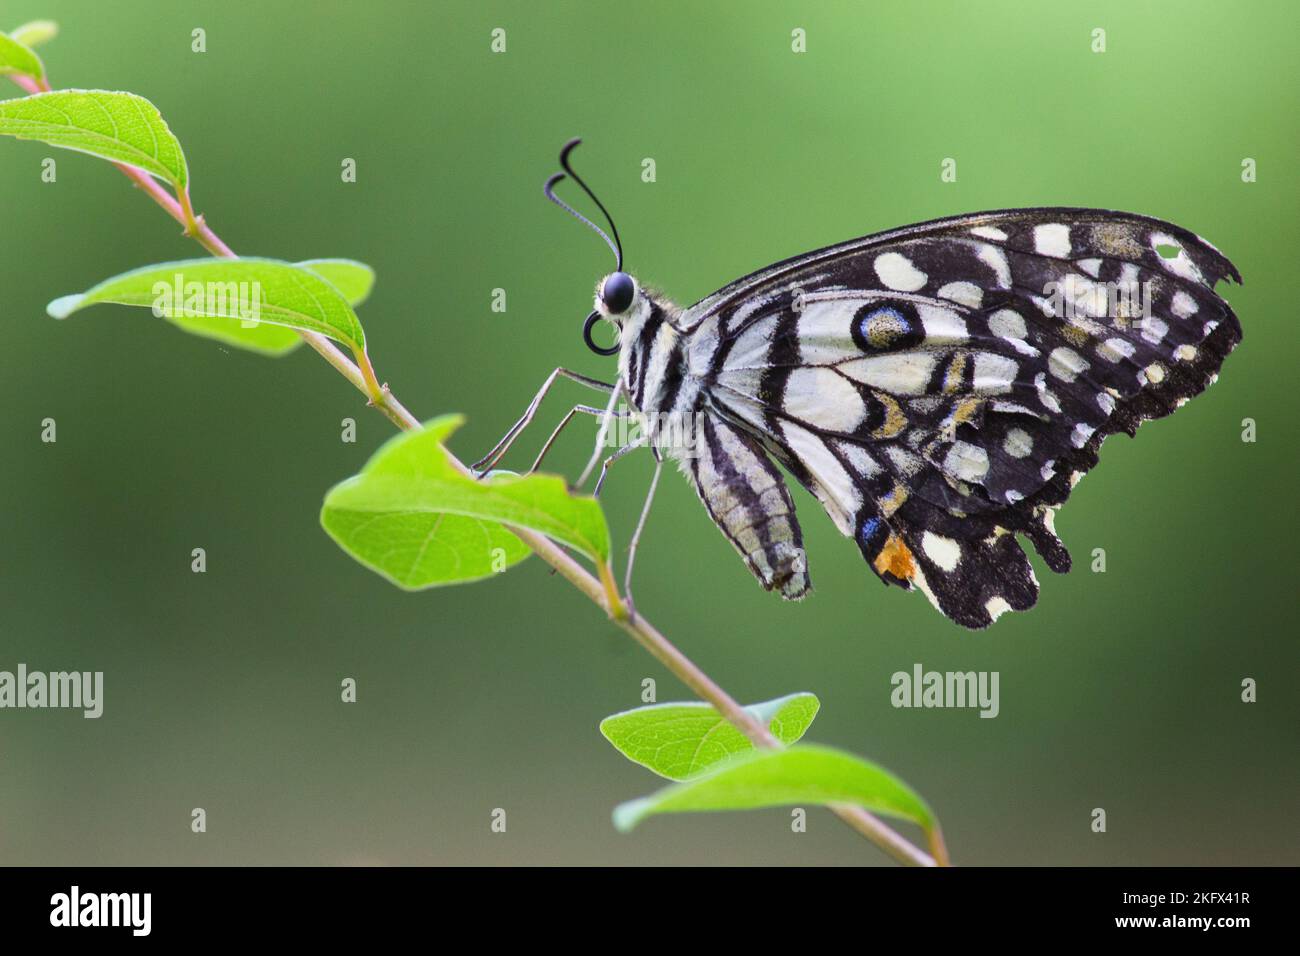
x=1120, y=690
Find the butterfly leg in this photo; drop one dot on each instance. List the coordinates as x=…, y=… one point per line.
x=619, y=390
x=636, y=535
x=633, y=445
x=577, y=409
x=503, y=446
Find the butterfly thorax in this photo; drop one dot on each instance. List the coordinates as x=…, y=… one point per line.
x=654, y=363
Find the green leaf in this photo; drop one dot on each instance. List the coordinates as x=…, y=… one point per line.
x=35, y=33
x=424, y=549
x=120, y=127
x=414, y=518
x=15, y=57
x=683, y=740
x=354, y=279
x=417, y=548
x=802, y=774
x=251, y=303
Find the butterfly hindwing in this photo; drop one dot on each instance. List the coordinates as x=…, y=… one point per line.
x=940, y=388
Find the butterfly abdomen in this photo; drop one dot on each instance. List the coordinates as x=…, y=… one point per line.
x=748, y=501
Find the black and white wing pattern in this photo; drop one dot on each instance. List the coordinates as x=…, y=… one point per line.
x=941, y=388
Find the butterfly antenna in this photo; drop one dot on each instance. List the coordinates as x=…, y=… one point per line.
x=615, y=244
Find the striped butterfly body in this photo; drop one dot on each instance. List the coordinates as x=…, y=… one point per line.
x=939, y=388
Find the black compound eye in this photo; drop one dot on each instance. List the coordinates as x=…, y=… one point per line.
x=617, y=292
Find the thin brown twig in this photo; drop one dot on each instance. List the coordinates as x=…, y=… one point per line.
x=599, y=592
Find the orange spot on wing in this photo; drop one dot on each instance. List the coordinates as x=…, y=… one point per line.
x=896, y=558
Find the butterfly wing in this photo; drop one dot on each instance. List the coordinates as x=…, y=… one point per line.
x=942, y=387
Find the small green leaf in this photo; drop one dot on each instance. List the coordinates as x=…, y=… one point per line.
x=683, y=740
x=35, y=33
x=252, y=303
x=424, y=549
x=16, y=58
x=354, y=279
x=120, y=127
x=802, y=774
x=414, y=518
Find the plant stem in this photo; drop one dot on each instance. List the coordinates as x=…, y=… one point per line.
x=601, y=592
x=203, y=234
x=664, y=651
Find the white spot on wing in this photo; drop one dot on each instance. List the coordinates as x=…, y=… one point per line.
x=1183, y=305
x=996, y=259
x=751, y=348
x=989, y=232
x=1006, y=324
x=1045, y=394
x=1115, y=350
x=942, y=326
x=833, y=486
x=1018, y=443
x=1066, y=364
x=996, y=606
x=1052, y=239
x=906, y=373
x=1154, y=329
x=1010, y=325
x=944, y=552
x=966, y=462
x=994, y=373
x=963, y=293
x=822, y=397
x=897, y=272
x=823, y=330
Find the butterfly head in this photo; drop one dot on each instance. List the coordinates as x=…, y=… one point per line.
x=619, y=301
x=617, y=292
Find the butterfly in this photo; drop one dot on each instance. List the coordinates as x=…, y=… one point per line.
x=939, y=388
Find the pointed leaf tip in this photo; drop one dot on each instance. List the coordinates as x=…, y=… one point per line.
x=64, y=306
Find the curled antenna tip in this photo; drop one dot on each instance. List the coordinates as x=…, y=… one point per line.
x=615, y=244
